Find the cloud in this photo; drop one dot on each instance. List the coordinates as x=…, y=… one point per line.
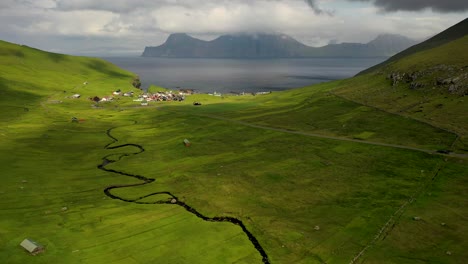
x=116, y=6
x=417, y=5
x=314, y=6
x=125, y=6
x=6, y=3
x=94, y=26
x=233, y=17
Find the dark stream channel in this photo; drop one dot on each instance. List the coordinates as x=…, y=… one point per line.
x=172, y=200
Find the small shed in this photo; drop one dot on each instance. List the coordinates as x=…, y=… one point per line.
x=187, y=143
x=31, y=246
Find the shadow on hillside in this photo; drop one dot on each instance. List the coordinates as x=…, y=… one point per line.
x=15, y=103
x=104, y=67
x=9, y=95
x=11, y=52
x=55, y=57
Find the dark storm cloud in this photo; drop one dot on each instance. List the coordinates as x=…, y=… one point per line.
x=118, y=6
x=317, y=10
x=314, y=6
x=130, y=5
x=416, y=5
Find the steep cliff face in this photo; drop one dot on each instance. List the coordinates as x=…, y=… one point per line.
x=271, y=46
x=252, y=46
x=228, y=46
x=177, y=45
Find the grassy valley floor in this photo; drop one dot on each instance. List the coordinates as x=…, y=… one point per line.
x=314, y=176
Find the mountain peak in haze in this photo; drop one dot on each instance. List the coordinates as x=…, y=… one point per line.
x=178, y=37
x=264, y=45
x=455, y=32
x=391, y=39
x=390, y=44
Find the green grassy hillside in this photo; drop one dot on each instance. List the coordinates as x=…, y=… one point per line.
x=315, y=174
x=40, y=73
x=429, y=86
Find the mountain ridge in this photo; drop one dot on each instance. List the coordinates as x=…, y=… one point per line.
x=263, y=45
x=455, y=32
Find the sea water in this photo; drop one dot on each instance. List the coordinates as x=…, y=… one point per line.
x=240, y=75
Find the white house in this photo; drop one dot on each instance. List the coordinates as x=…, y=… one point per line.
x=32, y=247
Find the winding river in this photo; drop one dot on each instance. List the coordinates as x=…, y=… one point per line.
x=173, y=200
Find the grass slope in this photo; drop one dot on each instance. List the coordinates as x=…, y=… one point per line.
x=312, y=174
x=431, y=103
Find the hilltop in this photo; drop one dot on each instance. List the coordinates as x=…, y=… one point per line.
x=271, y=46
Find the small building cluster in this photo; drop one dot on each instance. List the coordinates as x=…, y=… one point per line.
x=161, y=96
x=111, y=98
x=145, y=98
x=119, y=92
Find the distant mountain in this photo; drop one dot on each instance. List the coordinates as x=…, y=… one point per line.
x=228, y=46
x=181, y=45
x=390, y=44
x=453, y=33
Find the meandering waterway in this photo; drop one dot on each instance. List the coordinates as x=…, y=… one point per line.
x=173, y=200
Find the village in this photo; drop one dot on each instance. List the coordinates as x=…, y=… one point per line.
x=143, y=98
x=160, y=96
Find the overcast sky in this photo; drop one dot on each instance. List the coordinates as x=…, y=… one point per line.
x=125, y=27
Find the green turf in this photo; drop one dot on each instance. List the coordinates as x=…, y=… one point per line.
x=431, y=104
x=283, y=163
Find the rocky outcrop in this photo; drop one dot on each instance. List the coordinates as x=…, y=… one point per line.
x=136, y=82
x=450, y=79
